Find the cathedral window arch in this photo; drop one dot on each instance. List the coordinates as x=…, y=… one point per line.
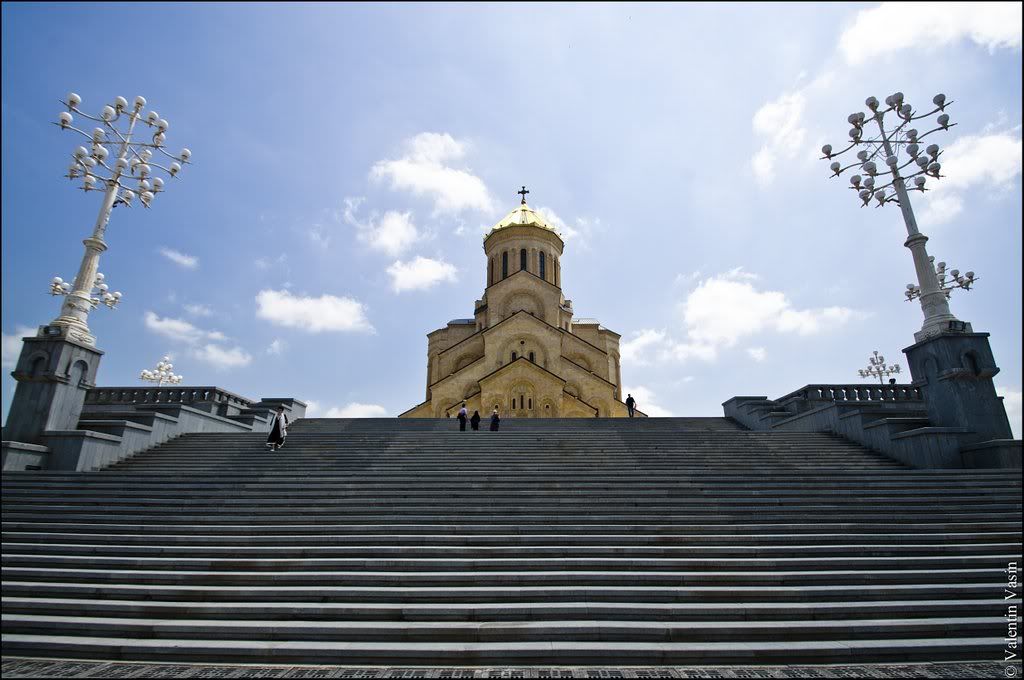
x=531, y=357
x=504, y=265
x=542, y=268
x=522, y=258
x=490, y=271
x=514, y=356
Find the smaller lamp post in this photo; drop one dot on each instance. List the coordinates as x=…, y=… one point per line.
x=162, y=374
x=877, y=368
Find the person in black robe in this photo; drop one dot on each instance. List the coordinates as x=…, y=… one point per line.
x=474, y=422
x=495, y=421
x=278, y=430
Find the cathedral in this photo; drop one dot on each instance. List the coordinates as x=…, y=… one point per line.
x=523, y=352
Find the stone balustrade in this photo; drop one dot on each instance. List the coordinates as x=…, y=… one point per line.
x=857, y=393
x=212, y=398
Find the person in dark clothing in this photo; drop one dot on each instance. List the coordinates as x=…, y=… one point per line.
x=630, y=404
x=463, y=416
x=278, y=430
x=495, y=420
x=474, y=422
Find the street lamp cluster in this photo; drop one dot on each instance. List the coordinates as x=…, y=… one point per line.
x=135, y=161
x=947, y=282
x=888, y=161
x=877, y=369
x=163, y=373
x=101, y=290
x=123, y=171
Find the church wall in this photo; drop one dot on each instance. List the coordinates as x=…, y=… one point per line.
x=522, y=335
x=459, y=355
x=526, y=293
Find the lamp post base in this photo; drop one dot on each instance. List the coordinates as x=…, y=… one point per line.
x=54, y=371
x=954, y=370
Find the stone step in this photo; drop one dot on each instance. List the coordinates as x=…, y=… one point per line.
x=550, y=630
x=545, y=652
x=397, y=548
x=524, y=519
x=467, y=573
x=480, y=594
x=459, y=529
x=520, y=544
x=314, y=610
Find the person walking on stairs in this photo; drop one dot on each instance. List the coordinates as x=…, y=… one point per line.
x=278, y=430
x=630, y=404
x=495, y=420
x=474, y=422
x=463, y=415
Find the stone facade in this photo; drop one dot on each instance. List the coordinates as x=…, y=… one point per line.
x=523, y=351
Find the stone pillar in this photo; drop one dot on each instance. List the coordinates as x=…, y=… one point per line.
x=954, y=371
x=53, y=372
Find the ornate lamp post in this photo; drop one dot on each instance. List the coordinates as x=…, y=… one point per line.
x=163, y=373
x=902, y=159
x=129, y=170
x=877, y=368
x=951, y=364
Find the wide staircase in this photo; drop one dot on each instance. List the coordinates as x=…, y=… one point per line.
x=587, y=542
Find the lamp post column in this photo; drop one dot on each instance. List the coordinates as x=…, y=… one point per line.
x=934, y=303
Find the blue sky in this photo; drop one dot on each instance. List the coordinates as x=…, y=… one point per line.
x=348, y=159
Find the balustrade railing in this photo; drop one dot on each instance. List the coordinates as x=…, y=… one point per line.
x=853, y=393
x=166, y=395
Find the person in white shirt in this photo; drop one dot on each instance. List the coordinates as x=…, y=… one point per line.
x=463, y=416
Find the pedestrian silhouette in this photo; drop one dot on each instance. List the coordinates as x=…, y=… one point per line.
x=630, y=404
x=463, y=416
x=495, y=420
x=474, y=422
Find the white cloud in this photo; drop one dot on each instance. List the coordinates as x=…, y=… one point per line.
x=312, y=314
x=991, y=161
x=1012, y=404
x=11, y=346
x=222, y=357
x=393, y=233
x=179, y=329
x=651, y=345
x=646, y=401
x=318, y=237
x=199, y=310
x=180, y=259
x=425, y=169
x=723, y=309
x=421, y=273
x=780, y=123
x=579, y=232
x=992, y=25
x=758, y=354
x=202, y=348
x=315, y=409
x=277, y=346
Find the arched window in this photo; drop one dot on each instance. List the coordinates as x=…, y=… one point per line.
x=514, y=356
x=504, y=265
x=513, y=402
x=490, y=271
x=542, y=266
x=531, y=357
x=522, y=258
x=531, y=404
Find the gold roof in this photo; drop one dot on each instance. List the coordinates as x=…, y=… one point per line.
x=523, y=215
